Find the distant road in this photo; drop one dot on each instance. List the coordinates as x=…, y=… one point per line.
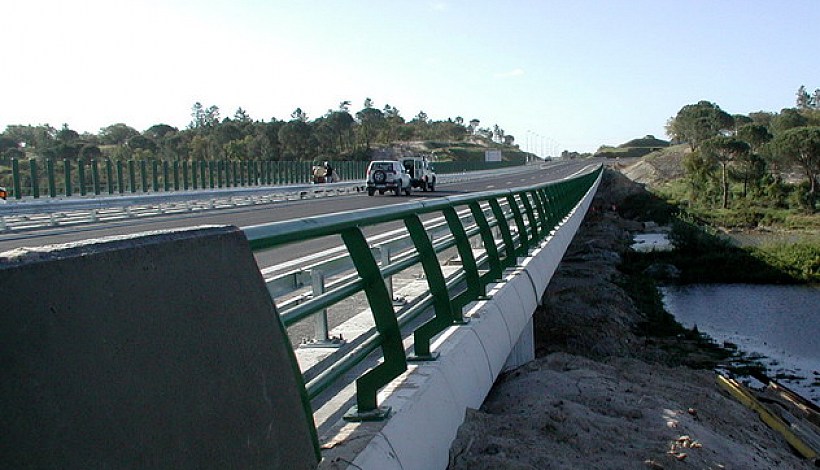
x=255, y=215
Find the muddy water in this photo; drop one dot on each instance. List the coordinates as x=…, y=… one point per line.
x=780, y=323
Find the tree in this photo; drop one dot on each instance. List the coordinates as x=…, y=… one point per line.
x=800, y=147
x=762, y=117
x=341, y=123
x=7, y=143
x=299, y=115
x=296, y=137
x=803, y=100
x=695, y=123
x=789, y=118
x=140, y=142
x=741, y=120
x=157, y=132
x=700, y=172
x=371, y=121
x=90, y=152
x=203, y=118
x=755, y=135
x=393, y=121
x=117, y=134
x=241, y=116
x=724, y=150
x=39, y=137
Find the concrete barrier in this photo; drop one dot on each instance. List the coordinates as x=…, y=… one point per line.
x=160, y=350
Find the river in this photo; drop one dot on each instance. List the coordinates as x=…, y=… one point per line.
x=780, y=323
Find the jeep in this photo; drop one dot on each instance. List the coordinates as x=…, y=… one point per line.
x=421, y=173
x=387, y=175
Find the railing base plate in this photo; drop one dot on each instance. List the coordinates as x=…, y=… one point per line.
x=379, y=414
x=423, y=358
x=325, y=344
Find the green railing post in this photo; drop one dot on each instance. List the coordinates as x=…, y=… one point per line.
x=235, y=173
x=368, y=385
x=144, y=175
x=95, y=176
x=155, y=175
x=81, y=176
x=166, y=180
x=544, y=231
x=185, y=174
x=120, y=178
x=132, y=176
x=445, y=315
x=525, y=199
x=488, y=240
x=468, y=262
x=504, y=226
x=523, y=246
x=194, y=173
x=68, y=182
x=15, y=179
x=35, y=178
x=202, y=168
x=211, y=165
x=176, y=175
x=52, y=180
x=109, y=173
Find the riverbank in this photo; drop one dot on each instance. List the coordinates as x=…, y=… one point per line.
x=601, y=395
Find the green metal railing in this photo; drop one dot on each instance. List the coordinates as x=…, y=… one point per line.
x=84, y=177
x=521, y=217
x=103, y=176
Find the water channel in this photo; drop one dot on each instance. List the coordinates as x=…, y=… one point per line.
x=779, y=323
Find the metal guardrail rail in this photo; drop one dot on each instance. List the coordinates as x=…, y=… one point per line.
x=34, y=214
x=523, y=217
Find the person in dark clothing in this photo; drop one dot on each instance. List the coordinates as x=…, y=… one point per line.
x=329, y=173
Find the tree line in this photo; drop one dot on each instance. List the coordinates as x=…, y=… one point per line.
x=339, y=134
x=751, y=151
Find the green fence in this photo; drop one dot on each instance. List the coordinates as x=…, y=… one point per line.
x=522, y=217
x=52, y=178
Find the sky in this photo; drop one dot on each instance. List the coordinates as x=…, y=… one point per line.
x=557, y=75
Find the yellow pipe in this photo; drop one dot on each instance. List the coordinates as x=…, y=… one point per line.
x=773, y=421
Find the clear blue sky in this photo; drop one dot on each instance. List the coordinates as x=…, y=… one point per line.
x=563, y=74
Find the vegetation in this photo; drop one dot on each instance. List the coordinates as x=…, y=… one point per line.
x=340, y=134
x=755, y=169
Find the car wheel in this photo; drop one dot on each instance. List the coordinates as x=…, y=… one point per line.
x=381, y=191
x=408, y=191
x=424, y=185
x=371, y=191
x=433, y=186
x=398, y=190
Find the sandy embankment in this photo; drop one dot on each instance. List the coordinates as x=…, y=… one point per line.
x=600, y=397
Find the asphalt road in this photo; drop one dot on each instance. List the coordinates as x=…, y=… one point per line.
x=255, y=215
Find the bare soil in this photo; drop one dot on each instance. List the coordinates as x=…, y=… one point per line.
x=598, y=396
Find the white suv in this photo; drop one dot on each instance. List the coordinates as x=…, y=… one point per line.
x=387, y=175
x=421, y=173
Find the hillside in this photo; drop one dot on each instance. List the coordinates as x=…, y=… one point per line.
x=659, y=166
x=469, y=150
